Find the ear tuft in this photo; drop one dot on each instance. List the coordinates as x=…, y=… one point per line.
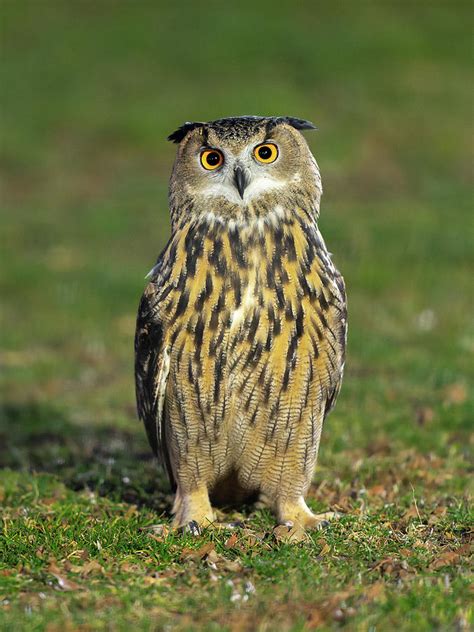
x=178, y=135
x=297, y=123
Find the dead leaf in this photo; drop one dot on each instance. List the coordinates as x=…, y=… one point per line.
x=212, y=557
x=126, y=567
x=411, y=513
x=326, y=548
x=253, y=538
x=445, y=559
x=392, y=567
x=296, y=534
x=377, y=490
x=157, y=538
x=157, y=529
x=131, y=511
x=66, y=584
x=196, y=554
x=72, y=568
x=231, y=542
x=91, y=568
x=53, y=567
x=233, y=566
x=221, y=563
x=465, y=549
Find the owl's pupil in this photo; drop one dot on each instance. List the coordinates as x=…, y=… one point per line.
x=265, y=153
x=213, y=158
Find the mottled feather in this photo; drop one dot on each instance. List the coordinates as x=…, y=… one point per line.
x=241, y=331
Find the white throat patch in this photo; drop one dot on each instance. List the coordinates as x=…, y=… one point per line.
x=257, y=187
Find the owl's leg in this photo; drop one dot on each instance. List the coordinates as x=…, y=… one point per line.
x=296, y=512
x=264, y=501
x=193, y=507
x=295, y=479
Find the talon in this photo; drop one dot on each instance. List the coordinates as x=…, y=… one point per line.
x=192, y=528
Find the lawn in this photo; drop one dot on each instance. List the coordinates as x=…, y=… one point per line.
x=89, y=91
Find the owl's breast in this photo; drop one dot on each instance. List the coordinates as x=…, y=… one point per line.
x=255, y=323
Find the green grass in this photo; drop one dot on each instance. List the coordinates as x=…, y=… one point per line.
x=89, y=92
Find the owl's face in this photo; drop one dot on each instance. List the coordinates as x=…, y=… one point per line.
x=229, y=166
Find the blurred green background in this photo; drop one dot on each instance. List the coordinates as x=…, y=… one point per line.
x=89, y=92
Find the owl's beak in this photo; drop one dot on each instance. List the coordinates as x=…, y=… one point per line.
x=240, y=180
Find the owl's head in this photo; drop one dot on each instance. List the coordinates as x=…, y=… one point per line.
x=237, y=167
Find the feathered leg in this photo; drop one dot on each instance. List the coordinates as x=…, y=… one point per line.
x=192, y=507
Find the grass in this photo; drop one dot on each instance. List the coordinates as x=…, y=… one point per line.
x=90, y=90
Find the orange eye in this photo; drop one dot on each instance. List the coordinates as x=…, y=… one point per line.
x=211, y=159
x=267, y=152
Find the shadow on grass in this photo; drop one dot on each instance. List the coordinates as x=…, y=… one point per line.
x=111, y=462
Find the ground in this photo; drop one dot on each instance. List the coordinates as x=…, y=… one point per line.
x=92, y=91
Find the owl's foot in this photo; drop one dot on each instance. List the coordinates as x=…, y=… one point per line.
x=193, y=510
x=297, y=513
x=192, y=528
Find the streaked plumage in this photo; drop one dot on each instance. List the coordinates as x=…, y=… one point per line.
x=241, y=330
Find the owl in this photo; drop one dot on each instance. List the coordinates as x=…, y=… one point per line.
x=241, y=330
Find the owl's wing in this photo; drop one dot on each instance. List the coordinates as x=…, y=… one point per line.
x=339, y=328
x=152, y=365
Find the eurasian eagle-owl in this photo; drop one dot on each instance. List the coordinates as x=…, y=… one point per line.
x=241, y=330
